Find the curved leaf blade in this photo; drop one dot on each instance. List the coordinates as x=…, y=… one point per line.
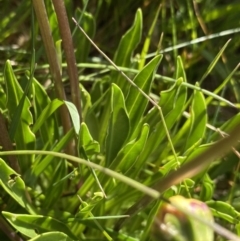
x=32, y=225
x=198, y=120
x=125, y=50
x=74, y=116
x=136, y=103
x=24, y=137
x=46, y=113
x=51, y=236
x=14, y=185
x=129, y=154
x=46, y=124
x=118, y=125
x=157, y=133
x=86, y=141
x=89, y=26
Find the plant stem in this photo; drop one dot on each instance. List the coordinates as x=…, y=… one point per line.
x=43, y=22
x=69, y=52
x=9, y=232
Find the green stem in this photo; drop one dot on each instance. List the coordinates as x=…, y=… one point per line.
x=140, y=187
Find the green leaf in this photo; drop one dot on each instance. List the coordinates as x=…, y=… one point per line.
x=207, y=188
x=86, y=141
x=58, y=45
x=14, y=186
x=168, y=98
x=127, y=45
x=86, y=208
x=24, y=137
x=46, y=113
x=32, y=225
x=157, y=132
x=171, y=165
x=214, y=62
x=89, y=26
x=40, y=166
x=198, y=120
x=3, y=99
x=136, y=103
x=101, y=110
x=53, y=22
x=74, y=116
x=52, y=236
x=147, y=41
x=92, y=122
x=224, y=210
x=129, y=154
x=17, y=114
x=180, y=72
x=86, y=101
x=180, y=137
x=44, y=121
x=237, y=227
x=177, y=139
x=150, y=221
x=54, y=192
x=118, y=125
x=224, y=84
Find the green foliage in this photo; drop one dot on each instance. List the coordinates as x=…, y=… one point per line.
x=121, y=144
x=51, y=236
x=124, y=52
x=31, y=225
x=23, y=136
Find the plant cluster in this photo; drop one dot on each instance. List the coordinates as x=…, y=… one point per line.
x=133, y=148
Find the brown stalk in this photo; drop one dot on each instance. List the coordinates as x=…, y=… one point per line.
x=45, y=30
x=69, y=53
x=8, y=230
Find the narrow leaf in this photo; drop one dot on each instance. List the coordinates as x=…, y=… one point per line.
x=46, y=124
x=52, y=236
x=157, y=133
x=198, y=120
x=39, y=167
x=148, y=39
x=32, y=225
x=125, y=50
x=89, y=26
x=46, y=113
x=118, y=125
x=24, y=138
x=136, y=103
x=214, y=62
x=86, y=141
x=128, y=156
x=14, y=186
x=74, y=115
